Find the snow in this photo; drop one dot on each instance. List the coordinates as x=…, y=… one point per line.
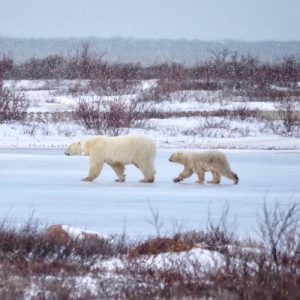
x=166, y=261
x=203, y=257
x=48, y=183
x=37, y=178
x=205, y=105
x=193, y=132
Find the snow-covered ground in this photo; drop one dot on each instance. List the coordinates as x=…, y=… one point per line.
x=36, y=178
x=190, y=131
x=47, y=183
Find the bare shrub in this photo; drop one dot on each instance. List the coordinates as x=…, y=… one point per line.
x=268, y=269
x=84, y=64
x=107, y=84
x=30, y=128
x=224, y=70
x=6, y=64
x=289, y=123
x=229, y=70
x=287, y=111
x=106, y=117
x=216, y=128
x=171, y=78
x=246, y=75
x=152, y=94
x=90, y=114
x=32, y=240
x=243, y=112
x=77, y=88
x=70, y=268
x=161, y=245
x=279, y=230
x=13, y=105
x=66, y=130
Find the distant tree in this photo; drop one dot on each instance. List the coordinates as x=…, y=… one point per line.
x=6, y=64
x=13, y=105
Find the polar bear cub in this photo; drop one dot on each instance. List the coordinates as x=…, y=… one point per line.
x=201, y=162
x=117, y=152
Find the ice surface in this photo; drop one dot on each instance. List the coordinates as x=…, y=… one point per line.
x=48, y=183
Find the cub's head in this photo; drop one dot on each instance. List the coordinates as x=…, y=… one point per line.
x=74, y=149
x=176, y=157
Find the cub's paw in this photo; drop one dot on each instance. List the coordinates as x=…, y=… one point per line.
x=213, y=182
x=177, y=179
x=87, y=179
x=120, y=180
x=199, y=182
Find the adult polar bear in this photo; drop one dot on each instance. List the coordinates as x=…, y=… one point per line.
x=117, y=152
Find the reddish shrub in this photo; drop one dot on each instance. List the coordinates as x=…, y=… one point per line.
x=161, y=245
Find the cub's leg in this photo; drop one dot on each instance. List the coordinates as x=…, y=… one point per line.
x=187, y=172
x=201, y=177
x=216, y=178
x=119, y=170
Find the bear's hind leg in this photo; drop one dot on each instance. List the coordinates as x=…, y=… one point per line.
x=148, y=171
x=216, y=178
x=119, y=170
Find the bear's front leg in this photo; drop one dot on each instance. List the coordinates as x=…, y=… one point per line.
x=88, y=178
x=94, y=171
x=121, y=179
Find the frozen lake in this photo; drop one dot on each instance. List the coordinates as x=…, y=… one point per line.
x=47, y=183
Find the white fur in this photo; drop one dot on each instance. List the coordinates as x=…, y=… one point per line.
x=117, y=152
x=201, y=162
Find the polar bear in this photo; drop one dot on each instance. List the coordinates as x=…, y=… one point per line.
x=117, y=152
x=201, y=162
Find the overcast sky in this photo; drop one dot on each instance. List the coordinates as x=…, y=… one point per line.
x=174, y=19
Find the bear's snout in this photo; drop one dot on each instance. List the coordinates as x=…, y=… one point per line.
x=67, y=153
x=170, y=159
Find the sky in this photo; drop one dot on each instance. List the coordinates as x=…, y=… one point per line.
x=250, y=20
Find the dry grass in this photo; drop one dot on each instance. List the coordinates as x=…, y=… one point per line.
x=50, y=264
x=161, y=245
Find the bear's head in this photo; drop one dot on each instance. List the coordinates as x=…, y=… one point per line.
x=74, y=149
x=176, y=157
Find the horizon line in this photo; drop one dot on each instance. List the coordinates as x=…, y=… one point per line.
x=83, y=38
